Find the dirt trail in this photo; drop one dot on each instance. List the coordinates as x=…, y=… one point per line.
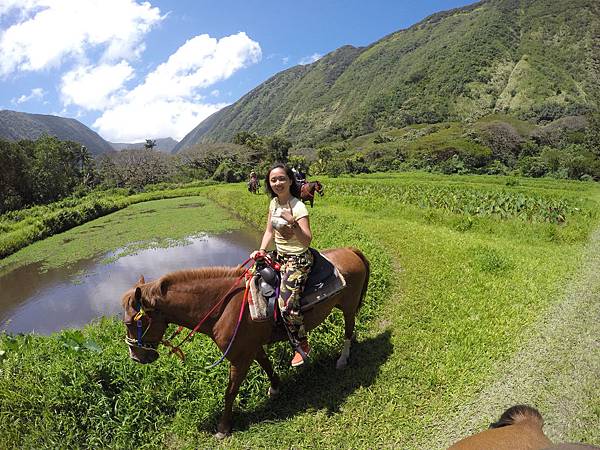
x=557, y=370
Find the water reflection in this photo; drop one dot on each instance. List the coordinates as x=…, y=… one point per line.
x=31, y=301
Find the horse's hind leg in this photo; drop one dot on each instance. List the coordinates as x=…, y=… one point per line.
x=349, y=322
x=265, y=363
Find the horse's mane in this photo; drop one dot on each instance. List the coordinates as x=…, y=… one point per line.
x=153, y=288
x=518, y=413
x=181, y=276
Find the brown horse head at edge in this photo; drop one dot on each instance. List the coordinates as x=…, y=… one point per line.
x=519, y=428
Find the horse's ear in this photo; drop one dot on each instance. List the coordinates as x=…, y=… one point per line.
x=138, y=294
x=141, y=280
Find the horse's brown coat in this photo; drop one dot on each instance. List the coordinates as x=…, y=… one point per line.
x=521, y=436
x=185, y=297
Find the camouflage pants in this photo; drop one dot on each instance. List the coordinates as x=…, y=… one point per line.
x=294, y=273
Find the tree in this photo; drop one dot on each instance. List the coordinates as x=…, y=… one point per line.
x=15, y=186
x=278, y=148
x=86, y=167
x=150, y=144
x=592, y=135
x=135, y=168
x=504, y=141
x=204, y=159
x=54, y=169
x=251, y=140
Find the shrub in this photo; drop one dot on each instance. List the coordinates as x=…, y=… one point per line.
x=503, y=139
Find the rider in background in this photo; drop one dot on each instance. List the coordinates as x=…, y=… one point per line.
x=288, y=224
x=300, y=177
x=253, y=180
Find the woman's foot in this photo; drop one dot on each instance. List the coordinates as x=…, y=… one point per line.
x=298, y=360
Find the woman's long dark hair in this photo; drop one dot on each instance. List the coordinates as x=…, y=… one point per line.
x=294, y=188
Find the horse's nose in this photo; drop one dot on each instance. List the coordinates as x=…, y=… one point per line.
x=143, y=357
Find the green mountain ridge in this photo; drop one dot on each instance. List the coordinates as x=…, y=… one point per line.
x=537, y=60
x=15, y=126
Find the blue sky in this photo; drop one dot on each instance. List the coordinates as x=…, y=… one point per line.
x=132, y=70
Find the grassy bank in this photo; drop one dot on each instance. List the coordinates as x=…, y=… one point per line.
x=453, y=295
x=149, y=224
x=21, y=228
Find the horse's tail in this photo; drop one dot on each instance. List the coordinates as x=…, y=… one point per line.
x=365, y=261
x=519, y=413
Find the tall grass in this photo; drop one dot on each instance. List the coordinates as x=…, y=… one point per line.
x=445, y=304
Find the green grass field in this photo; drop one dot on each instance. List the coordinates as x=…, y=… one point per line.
x=455, y=293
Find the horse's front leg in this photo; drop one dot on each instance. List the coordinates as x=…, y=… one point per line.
x=265, y=363
x=237, y=374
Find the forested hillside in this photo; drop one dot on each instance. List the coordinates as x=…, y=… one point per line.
x=16, y=126
x=537, y=60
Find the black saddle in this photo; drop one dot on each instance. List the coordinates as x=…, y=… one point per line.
x=320, y=273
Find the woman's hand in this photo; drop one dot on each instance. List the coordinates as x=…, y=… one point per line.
x=287, y=215
x=258, y=254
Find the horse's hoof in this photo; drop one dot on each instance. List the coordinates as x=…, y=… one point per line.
x=220, y=435
x=273, y=392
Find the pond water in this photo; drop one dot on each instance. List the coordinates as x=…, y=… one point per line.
x=44, y=302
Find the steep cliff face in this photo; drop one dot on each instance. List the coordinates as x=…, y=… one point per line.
x=533, y=59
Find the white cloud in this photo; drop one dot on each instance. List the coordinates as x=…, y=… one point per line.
x=102, y=41
x=137, y=121
x=310, y=59
x=199, y=63
x=91, y=86
x=35, y=94
x=168, y=102
x=49, y=31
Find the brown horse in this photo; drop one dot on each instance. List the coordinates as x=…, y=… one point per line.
x=519, y=428
x=307, y=191
x=186, y=297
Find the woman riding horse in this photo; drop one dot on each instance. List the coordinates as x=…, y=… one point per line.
x=288, y=225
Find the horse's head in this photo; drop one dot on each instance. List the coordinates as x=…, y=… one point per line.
x=319, y=188
x=145, y=325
